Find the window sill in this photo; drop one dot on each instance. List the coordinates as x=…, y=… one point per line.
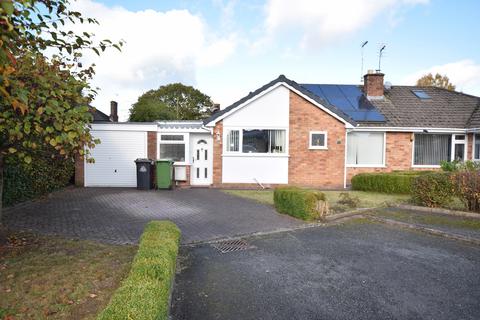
x=318, y=148
x=366, y=166
x=257, y=155
x=426, y=166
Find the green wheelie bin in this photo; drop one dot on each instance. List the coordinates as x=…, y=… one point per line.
x=164, y=173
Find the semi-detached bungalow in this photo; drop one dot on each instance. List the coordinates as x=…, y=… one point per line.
x=299, y=134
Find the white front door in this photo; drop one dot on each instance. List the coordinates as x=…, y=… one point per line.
x=201, y=173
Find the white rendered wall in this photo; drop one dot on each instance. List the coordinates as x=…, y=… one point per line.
x=254, y=169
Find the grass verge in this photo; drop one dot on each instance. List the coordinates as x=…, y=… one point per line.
x=430, y=219
x=145, y=293
x=367, y=199
x=45, y=277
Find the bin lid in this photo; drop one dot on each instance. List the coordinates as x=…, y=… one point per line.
x=164, y=160
x=143, y=160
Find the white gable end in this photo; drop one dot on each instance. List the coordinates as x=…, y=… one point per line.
x=270, y=110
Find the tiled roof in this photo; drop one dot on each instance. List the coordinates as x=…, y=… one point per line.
x=444, y=109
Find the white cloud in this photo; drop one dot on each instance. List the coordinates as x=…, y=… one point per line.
x=320, y=22
x=465, y=74
x=161, y=47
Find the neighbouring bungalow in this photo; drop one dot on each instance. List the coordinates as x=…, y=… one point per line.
x=317, y=135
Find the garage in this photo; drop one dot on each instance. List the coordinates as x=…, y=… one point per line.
x=114, y=157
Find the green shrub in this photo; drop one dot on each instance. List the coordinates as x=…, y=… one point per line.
x=454, y=166
x=433, y=189
x=145, y=293
x=467, y=187
x=346, y=199
x=299, y=203
x=391, y=182
x=23, y=182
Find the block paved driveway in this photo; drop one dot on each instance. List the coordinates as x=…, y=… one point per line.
x=118, y=215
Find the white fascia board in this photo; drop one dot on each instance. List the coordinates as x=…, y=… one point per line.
x=115, y=126
x=315, y=103
x=410, y=129
x=182, y=130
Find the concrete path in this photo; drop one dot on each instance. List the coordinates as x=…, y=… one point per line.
x=356, y=270
x=118, y=215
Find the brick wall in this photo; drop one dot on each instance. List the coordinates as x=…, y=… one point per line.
x=310, y=167
x=217, y=154
x=79, y=171
x=470, y=146
x=152, y=145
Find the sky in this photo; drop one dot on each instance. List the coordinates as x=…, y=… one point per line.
x=228, y=48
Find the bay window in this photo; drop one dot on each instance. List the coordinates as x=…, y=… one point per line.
x=365, y=149
x=172, y=146
x=256, y=141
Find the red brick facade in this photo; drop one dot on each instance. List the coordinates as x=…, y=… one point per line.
x=314, y=167
x=152, y=145
x=373, y=84
x=217, y=154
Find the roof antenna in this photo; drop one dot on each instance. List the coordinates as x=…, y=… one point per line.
x=380, y=54
x=361, y=70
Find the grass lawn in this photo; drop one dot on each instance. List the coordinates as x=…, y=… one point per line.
x=430, y=219
x=44, y=277
x=367, y=199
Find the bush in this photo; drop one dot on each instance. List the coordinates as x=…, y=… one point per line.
x=433, y=189
x=300, y=203
x=145, y=293
x=467, y=187
x=454, y=166
x=392, y=182
x=22, y=182
x=346, y=199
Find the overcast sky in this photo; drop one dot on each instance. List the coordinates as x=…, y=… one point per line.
x=229, y=48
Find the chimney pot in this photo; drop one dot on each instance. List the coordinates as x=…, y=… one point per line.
x=373, y=85
x=113, y=111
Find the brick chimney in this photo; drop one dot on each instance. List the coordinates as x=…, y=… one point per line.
x=113, y=111
x=373, y=85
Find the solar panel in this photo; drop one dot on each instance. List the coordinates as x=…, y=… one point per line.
x=348, y=98
x=421, y=94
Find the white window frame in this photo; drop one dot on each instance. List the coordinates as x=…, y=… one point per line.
x=474, y=141
x=240, y=153
x=312, y=147
x=185, y=143
x=382, y=165
x=453, y=142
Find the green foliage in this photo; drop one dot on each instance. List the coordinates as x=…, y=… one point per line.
x=392, y=182
x=298, y=203
x=433, y=189
x=27, y=181
x=346, y=199
x=467, y=186
x=452, y=166
x=44, y=100
x=145, y=293
x=172, y=101
x=438, y=80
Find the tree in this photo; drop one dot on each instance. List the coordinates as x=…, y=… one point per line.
x=44, y=100
x=172, y=101
x=438, y=81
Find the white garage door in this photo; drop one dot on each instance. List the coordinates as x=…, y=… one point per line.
x=114, y=158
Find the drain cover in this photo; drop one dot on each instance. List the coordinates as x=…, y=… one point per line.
x=231, y=245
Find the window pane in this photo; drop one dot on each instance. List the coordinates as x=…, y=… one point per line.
x=171, y=137
x=459, y=152
x=318, y=140
x=277, y=141
x=264, y=141
x=365, y=148
x=233, y=142
x=176, y=152
x=477, y=147
x=431, y=149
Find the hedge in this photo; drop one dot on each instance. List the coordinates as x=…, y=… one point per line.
x=299, y=203
x=22, y=182
x=433, y=190
x=145, y=293
x=391, y=182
